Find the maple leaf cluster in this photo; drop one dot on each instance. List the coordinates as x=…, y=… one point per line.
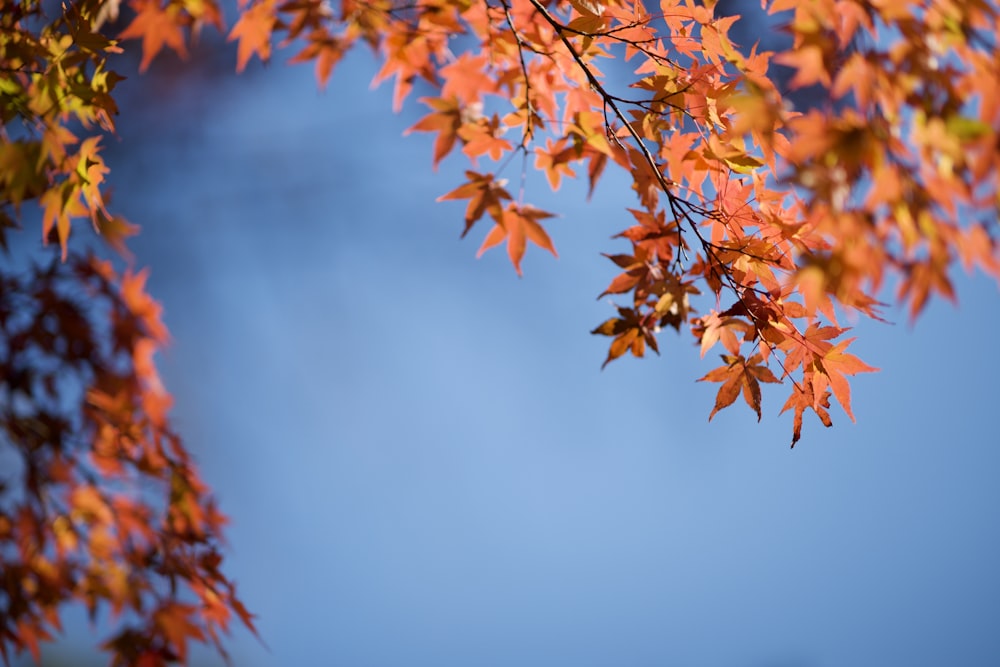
x=754, y=226
x=108, y=509
x=100, y=502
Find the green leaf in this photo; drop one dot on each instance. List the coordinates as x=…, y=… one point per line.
x=966, y=129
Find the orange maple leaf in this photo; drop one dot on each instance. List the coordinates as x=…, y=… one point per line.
x=631, y=332
x=484, y=194
x=482, y=138
x=715, y=327
x=466, y=78
x=254, y=32
x=808, y=60
x=143, y=306
x=832, y=368
x=445, y=120
x=59, y=206
x=175, y=622
x=327, y=52
x=157, y=27
x=553, y=161
x=802, y=399
x=738, y=375
x=518, y=224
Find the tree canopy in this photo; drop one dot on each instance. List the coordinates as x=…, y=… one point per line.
x=756, y=226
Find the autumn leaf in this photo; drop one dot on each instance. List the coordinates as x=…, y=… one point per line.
x=483, y=138
x=30, y=635
x=87, y=502
x=466, y=79
x=832, y=368
x=630, y=333
x=553, y=161
x=734, y=158
x=445, y=120
x=253, y=30
x=327, y=52
x=484, y=194
x=59, y=207
x=115, y=231
x=175, y=622
x=157, y=27
x=715, y=327
x=518, y=224
x=809, y=64
x=803, y=399
x=142, y=306
x=738, y=375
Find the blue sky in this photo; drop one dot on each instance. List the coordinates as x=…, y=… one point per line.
x=424, y=464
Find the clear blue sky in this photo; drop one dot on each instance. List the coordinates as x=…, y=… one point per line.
x=425, y=466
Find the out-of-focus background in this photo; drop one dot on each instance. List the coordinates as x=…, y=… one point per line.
x=425, y=466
